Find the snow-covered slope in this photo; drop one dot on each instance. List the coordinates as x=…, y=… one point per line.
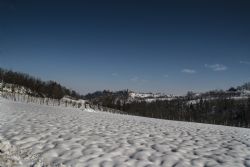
x=71, y=137
x=148, y=97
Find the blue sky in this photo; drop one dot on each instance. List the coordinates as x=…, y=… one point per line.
x=158, y=46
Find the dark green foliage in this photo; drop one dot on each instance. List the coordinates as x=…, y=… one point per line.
x=108, y=98
x=232, y=89
x=219, y=109
x=49, y=89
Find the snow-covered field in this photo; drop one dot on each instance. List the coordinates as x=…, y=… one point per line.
x=57, y=136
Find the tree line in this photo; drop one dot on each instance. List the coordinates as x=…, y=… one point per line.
x=213, y=107
x=49, y=89
x=221, y=111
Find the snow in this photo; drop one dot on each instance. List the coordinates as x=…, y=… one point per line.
x=245, y=92
x=149, y=100
x=9, y=154
x=143, y=95
x=89, y=110
x=15, y=88
x=149, y=97
x=240, y=97
x=60, y=136
x=68, y=99
x=216, y=98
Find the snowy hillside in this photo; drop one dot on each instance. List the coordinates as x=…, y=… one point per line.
x=148, y=97
x=59, y=136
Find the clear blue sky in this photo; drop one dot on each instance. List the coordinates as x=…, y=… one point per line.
x=158, y=46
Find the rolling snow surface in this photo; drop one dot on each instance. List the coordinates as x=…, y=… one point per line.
x=55, y=136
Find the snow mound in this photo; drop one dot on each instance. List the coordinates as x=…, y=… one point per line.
x=8, y=155
x=89, y=110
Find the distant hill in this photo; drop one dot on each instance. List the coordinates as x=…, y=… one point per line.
x=125, y=96
x=110, y=98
